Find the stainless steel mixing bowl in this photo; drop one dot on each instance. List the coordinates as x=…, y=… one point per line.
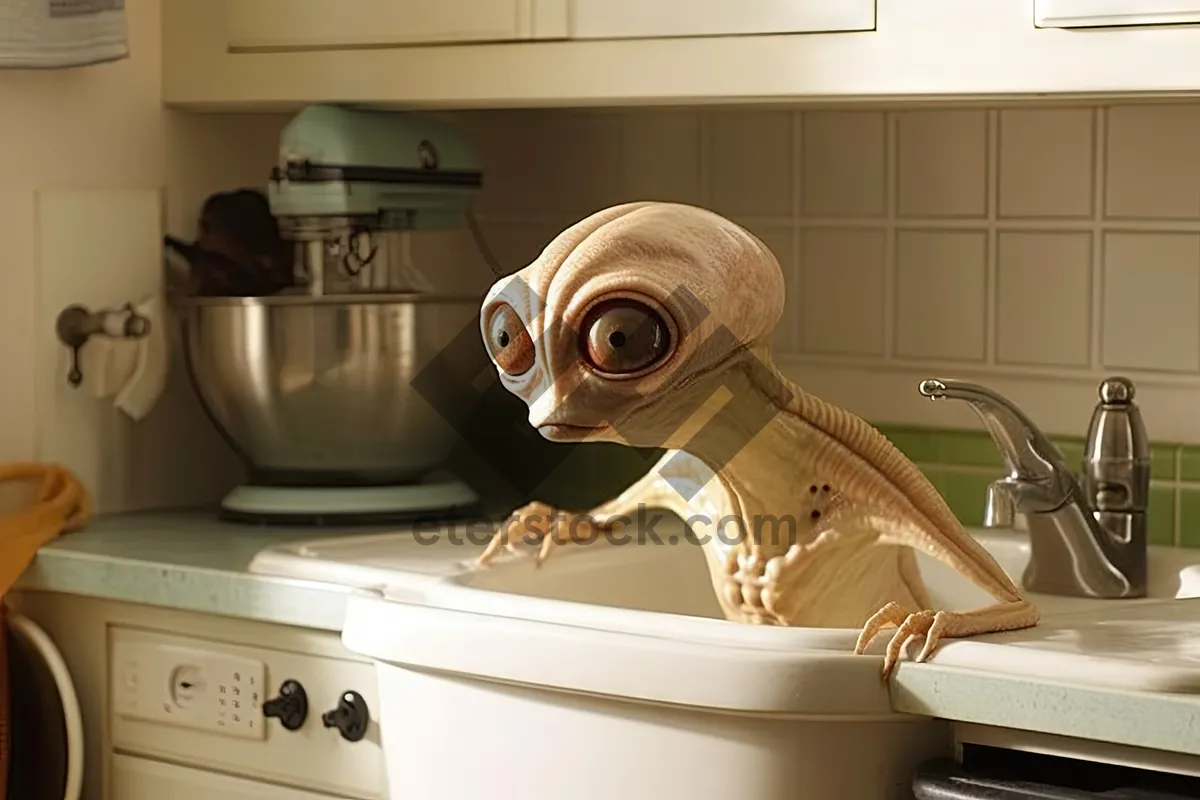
x=318, y=390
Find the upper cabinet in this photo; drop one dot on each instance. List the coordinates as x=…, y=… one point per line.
x=331, y=24
x=1109, y=13
x=641, y=19
x=299, y=24
x=455, y=54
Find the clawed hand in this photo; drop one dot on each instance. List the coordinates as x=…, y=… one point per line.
x=909, y=626
x=539, y=523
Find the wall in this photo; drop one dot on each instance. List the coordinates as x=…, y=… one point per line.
x=1034, y=249
x=94, y=169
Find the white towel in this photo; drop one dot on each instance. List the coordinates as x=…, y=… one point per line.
x=50, y=34
x=149, y=378
x=107, y=364
x=131, y=372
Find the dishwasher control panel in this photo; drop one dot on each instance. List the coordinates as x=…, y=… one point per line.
x=159, y=681
x=290, y=709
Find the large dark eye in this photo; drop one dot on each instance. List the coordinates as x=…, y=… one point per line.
x=508, y=341
x=624, y=336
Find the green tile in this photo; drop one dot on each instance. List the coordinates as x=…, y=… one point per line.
x=1160, y=520
x=919, y=444
x=966, y=494
x=1189, y=463
x=968, y=448
x=975, y=448
x=1189, y=518
x=1162, y=461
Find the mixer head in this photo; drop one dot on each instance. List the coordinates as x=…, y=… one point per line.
x=353, y=182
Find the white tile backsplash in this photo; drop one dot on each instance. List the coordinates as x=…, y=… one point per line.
x=1035, y=143
x=1036, y=248
x=842, y=310
x=843, y=164
x=943, y=163
x=1153, y=164
x=932, y=266
x=662, y=156
x=1151, y=296
x=1043, y=283
x=750, y=163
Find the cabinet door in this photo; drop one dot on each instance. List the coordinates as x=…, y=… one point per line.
x=1112, y=13
x=641, y=19
x=143, y=779
x=327, y=24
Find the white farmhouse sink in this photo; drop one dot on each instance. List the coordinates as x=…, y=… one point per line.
x=664, y=590
x=620, y=661
x=659, y=589
x=672, y=578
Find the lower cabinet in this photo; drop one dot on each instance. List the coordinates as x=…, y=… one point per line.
x=182, y=706
x=143, y=779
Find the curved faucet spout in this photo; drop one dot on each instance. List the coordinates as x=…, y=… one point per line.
x=1028, y=454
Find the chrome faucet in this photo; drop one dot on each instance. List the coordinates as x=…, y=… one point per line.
x=1087, y=538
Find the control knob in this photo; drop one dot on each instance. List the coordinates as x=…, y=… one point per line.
x=351, y=717
x=290, y=707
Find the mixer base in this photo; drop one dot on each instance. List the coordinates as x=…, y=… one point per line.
x=351, y=505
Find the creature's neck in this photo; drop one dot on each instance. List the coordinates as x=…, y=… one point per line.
x=763, y=444
x=752, y=440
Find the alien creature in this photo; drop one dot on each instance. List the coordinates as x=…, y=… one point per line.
x=649, y=324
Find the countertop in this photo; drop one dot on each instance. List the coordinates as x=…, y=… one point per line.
x=1166, y=721
x=191, y=561
x=1125, y=673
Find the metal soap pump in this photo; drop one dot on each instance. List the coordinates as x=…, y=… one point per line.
x=1116, y=473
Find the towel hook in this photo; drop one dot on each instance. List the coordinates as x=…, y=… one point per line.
x=76, y=324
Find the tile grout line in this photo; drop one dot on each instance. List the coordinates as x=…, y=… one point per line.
x=1083, y=224
x=891, y=166
x=1096, y=272
x=704, y=133
x=1176, y=497
x=991, y=262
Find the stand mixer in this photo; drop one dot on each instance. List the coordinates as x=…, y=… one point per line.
x=312, y=386
x=352, y=187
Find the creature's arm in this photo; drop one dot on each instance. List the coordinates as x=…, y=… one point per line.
x=883, y=494
x=863, y=529
x=678, y=483
x=955, y=549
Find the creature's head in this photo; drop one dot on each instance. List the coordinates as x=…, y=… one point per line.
x=626, y=322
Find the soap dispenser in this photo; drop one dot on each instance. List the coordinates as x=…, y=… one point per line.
x=1116, y=464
